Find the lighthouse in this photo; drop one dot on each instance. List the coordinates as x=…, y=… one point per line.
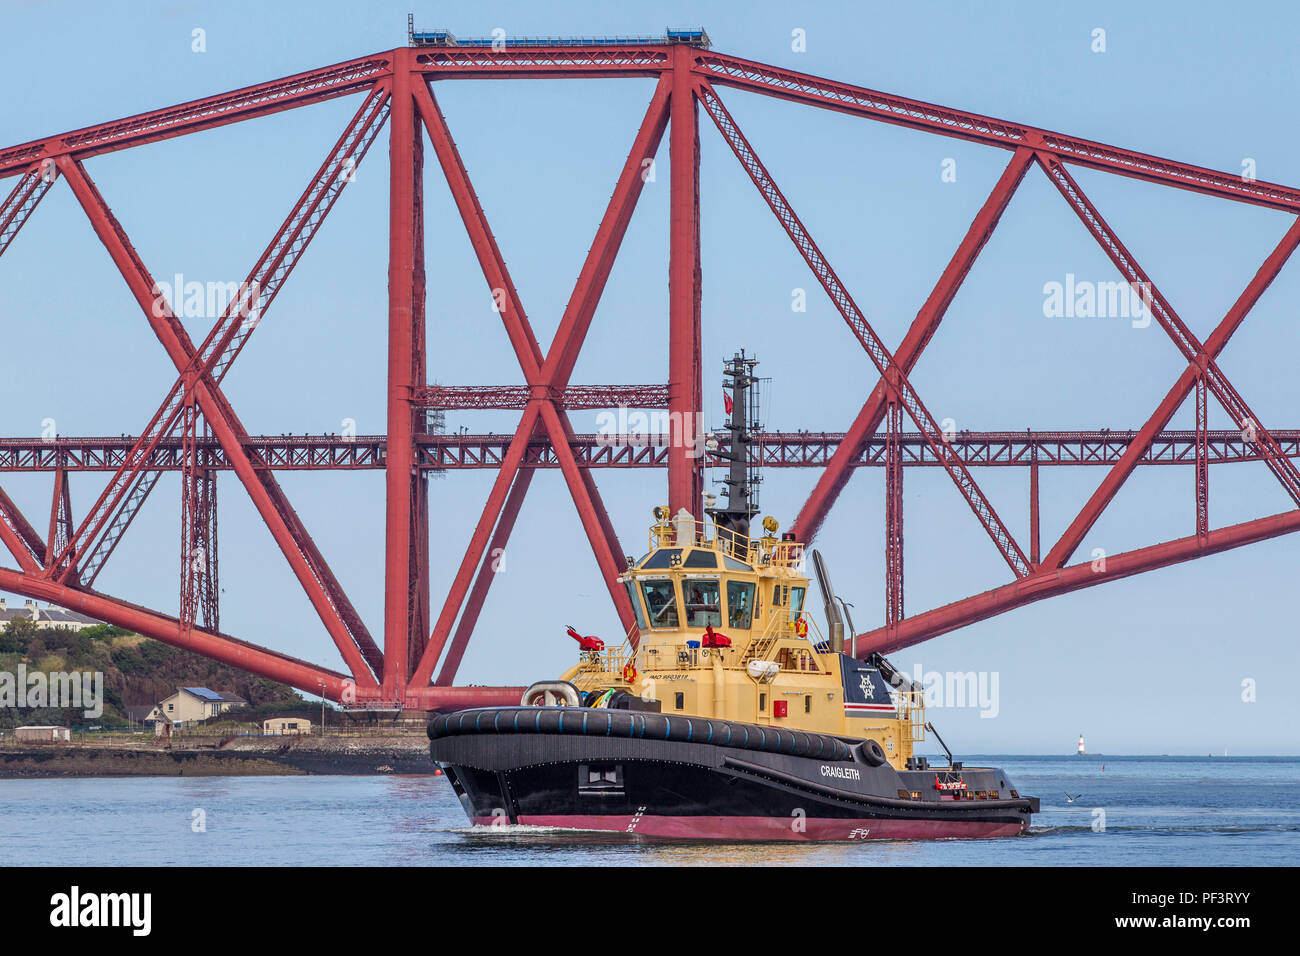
x=1080, y=751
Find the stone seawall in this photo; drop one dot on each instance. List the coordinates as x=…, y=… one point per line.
x=243, y=756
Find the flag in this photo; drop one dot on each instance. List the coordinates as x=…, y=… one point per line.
x=726, y=402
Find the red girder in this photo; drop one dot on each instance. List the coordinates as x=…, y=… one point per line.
x=685, y=380
x=406, y=603
x=61, y=523
x=19, y=536
x=1187, y=343
x=894, y=517
x=1202, y=462
x=478, y=397
x=221, y=647
x=22, y=201
x=923, y=327
x=494, y=563
x=1053, y=583
x=1202, y=357
x=1035, y=554
x=126, y=493
x=520, y=61
x=235, y=106
x=887, y=367
x=649, y=60
x=542, y=372
x=200, y=591
x=721, y=69
x=62, y=566
x=803, y=449
x=344, y=625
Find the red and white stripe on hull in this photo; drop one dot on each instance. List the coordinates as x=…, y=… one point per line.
x=862, y=710
x=768, y=828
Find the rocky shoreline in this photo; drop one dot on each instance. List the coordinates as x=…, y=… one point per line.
x=250, y=756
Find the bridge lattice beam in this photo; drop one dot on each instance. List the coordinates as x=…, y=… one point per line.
x=800, y=449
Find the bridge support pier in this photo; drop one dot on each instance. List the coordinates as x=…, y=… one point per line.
x=685, y=382
x=406, y=573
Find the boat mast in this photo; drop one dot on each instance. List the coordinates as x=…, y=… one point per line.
x=741, y=480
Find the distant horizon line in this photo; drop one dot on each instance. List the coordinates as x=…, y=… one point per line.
x=1197, y=756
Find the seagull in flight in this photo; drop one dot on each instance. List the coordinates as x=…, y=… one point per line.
x=1071, y=799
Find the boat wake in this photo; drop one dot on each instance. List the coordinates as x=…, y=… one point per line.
x=1038, y=831
x=521, y=831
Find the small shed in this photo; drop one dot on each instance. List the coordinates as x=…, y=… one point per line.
x=280, y=726
x=42, y=735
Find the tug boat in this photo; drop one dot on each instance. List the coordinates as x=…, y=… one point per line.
x=727, y=713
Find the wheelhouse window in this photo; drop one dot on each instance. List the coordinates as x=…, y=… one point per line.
x=740, y=604
x=796, y=602
x=636, y=604
x=660, y=602
x=700, y=558
x=663, y=558
x=703, y=597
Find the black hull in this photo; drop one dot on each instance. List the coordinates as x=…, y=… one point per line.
x=598, y=774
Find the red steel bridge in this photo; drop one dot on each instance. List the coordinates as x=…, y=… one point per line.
x=413, y=663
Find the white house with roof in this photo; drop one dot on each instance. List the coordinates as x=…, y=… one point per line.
x=191, y=704
x=48, y=618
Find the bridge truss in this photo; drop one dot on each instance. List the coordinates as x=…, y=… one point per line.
x=414, y=661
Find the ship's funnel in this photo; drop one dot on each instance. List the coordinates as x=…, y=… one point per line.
x=834, y=619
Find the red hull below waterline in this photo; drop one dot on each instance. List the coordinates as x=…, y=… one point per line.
x=769, y=828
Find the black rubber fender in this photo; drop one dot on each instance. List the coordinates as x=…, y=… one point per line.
x=872, y=753
x=644, y=725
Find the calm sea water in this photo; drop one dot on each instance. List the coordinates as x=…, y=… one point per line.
x=1158, y=811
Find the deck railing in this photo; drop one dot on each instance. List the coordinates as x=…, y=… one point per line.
x=761, y=552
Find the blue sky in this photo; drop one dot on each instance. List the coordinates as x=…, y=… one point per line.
x=1153, y=664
